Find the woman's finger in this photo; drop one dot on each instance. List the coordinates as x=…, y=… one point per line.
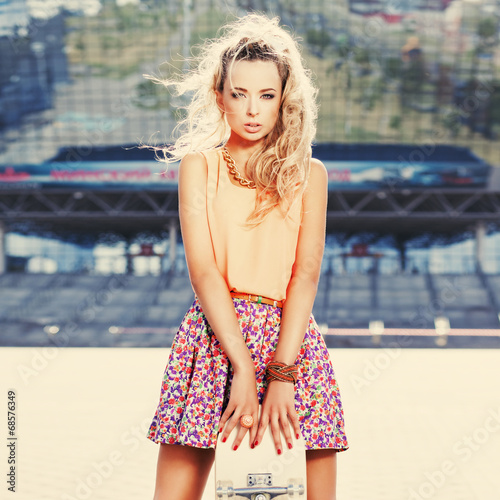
x=254, y=428
x=294, y=419
x=231, y=424
x=285, y=426
x=225, y=417
x=276, y=433
x=240, y=434
x=261, y=428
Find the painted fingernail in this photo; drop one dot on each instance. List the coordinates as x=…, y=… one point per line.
x=224, y=440
x=297, y=435
x=290, y=446
x=256, y=443
x=252, y=446
x=235, y=447
x=279, y=451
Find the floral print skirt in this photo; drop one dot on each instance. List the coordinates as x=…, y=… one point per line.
x=197, y=380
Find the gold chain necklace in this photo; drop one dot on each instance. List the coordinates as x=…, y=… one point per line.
x=231, y=165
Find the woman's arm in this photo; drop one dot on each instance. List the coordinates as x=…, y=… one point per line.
x=279, y=405
x=212, y=291
x=303, y=284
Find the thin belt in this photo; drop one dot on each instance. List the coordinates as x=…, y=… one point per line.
x=257, y=298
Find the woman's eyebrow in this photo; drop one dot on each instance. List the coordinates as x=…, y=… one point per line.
x=241, y=89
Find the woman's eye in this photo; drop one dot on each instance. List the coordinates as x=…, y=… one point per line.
x=268, y=96
x=237, y=95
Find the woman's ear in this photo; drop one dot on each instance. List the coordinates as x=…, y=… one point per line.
x=220, y=100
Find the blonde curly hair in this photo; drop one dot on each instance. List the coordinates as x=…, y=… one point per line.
x=280, y=168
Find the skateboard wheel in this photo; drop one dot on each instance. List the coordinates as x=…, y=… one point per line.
x=225, y=489
x=295, y=487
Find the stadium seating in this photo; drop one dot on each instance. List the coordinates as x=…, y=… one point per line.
x=32, y=304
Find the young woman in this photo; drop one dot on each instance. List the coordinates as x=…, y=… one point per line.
x=252, y=205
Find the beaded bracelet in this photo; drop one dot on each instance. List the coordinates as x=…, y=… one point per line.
x=280, y=371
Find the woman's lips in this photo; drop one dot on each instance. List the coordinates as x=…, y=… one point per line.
x=252, y=128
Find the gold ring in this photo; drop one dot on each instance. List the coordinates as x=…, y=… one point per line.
x=246, y=421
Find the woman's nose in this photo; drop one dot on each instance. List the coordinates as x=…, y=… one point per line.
x=252, y=109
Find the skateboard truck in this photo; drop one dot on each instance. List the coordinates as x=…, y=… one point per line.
x=260, y=487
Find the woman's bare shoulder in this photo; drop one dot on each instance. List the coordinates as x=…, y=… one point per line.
x=318, y=167
x=318, y=176
x=198, y=159
x=193, y=166
x=195, y=159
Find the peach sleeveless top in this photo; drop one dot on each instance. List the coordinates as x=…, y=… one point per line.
x=255, y=260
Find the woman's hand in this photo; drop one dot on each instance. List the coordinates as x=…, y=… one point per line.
x=242, y=401
x=278, y=411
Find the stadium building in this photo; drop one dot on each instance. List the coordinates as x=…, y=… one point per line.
x=90, y=250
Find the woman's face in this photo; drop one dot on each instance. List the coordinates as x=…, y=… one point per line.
x=251, y=99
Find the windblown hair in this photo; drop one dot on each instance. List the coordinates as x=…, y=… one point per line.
x=280, y=168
